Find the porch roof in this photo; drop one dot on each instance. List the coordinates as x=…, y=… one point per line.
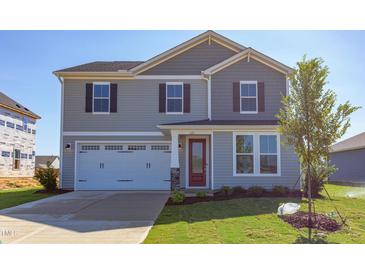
x=225, y=123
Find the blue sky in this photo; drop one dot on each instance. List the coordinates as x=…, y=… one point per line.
x=27, y=59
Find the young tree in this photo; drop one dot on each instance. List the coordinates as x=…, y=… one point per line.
x=309, y=120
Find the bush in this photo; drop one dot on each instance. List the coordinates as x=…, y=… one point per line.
x=239, y=190
x=255, y=191
x=201, y=194
x=178, y=196
x=226, y=190
x=280, y=191
x=47, y=177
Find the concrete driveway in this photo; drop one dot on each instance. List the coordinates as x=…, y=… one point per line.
x=83, y=217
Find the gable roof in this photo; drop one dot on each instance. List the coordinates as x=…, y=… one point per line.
x=154, y=61
x=41, y=161
x=352, y=143
x=8, y=103
x=129, y=69
x=250, y=53
x=112, y=66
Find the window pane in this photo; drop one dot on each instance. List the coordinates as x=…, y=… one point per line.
x=174, y=91
x=105, y=90
x=174, y=105
x=244, y=144
x=97, y=90
x=268, y=144
x=244, y=90
x=248, y=104
x=101, y=90
x=252, y=90
x=101, y=105
x=268, y=164
x=197, y=157
x=244, y=164
x=17, y=154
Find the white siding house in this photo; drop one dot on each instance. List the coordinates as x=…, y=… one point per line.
x=17, y=139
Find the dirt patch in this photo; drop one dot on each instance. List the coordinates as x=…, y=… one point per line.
x=319, y=221
x=222, y=197
x=9, y=183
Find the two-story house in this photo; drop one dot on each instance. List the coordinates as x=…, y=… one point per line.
x=17, y=138
x=198, y=116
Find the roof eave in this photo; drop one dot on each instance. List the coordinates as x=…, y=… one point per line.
x=77, y=74
x=31, y=115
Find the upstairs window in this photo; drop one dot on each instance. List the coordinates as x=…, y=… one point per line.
x=174, y=98
x=19, y=127
x=248, y=96
x=2, y=123
x=101, y=97
x=9, y=124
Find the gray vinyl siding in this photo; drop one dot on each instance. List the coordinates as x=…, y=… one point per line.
x=138, y=110
x=68, y=161
x=192, y=61
x=223, y=166
x=351, y=166
x=222, y=90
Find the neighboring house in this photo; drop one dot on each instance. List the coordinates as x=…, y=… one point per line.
x=198, y=116
x=349, y=158
x=42, y=161
x=17, y=138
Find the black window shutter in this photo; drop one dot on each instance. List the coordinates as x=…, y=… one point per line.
x=89, y=98
x=113, y=97
x=236, y=97
x=187, y=98
x=261, y=96
x=162, y=98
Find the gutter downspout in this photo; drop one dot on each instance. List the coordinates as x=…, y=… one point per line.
x=209, y=82
x=61, y=129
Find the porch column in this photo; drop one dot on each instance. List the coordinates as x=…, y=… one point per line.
x=174, y=164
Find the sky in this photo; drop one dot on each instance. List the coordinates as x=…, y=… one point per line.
x=28, y=58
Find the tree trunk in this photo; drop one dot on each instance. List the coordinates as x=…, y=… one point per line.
x=309, y=194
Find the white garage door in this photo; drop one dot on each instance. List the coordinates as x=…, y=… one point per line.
x=123, y=167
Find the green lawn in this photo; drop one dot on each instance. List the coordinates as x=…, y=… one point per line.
x=254, y=220
x=17, y=196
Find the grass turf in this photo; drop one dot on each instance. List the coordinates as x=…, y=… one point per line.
x=254, y=220
x=17, y=196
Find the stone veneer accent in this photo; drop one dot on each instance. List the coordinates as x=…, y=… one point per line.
x=175, y=178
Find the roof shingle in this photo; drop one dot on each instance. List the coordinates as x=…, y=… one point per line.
x=8, y=102
x=102, y=66
x=354, y=142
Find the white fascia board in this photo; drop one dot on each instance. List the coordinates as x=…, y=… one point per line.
x=112, y=133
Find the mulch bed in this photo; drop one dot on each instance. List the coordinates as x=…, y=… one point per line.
x=222, y=197
x=58, y=191
x=319, y=221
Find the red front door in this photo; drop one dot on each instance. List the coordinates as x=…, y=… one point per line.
x=197, y=162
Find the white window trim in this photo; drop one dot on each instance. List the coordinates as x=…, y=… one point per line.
x=241, y=97
x=256, y=150
x=101, y=83
x=182, y=97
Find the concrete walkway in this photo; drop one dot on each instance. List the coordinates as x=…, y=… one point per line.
x=83, y=217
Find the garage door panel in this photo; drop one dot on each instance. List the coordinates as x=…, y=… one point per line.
x=123, y=167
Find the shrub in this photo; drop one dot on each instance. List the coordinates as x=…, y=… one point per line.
x=178, y=196
x=255, y=191
x=226, y=190
x=280, y=191
x=201, y=194
x=47, y=177
x=239, y=190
